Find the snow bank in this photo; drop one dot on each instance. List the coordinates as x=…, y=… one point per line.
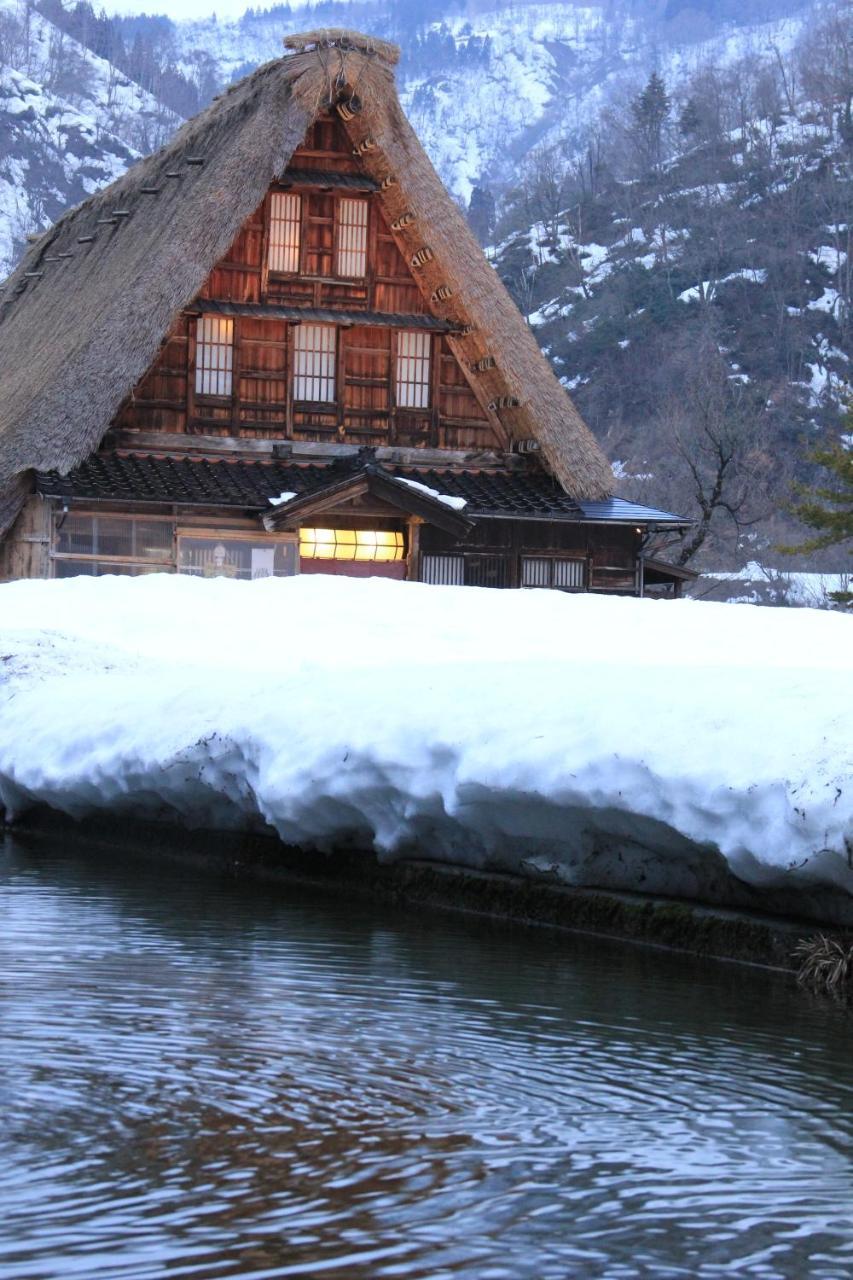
x=625, y=743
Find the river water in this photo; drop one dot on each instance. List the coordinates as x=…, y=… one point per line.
x=204, y=1079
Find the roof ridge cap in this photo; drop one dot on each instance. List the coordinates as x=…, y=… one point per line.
x=345, y=39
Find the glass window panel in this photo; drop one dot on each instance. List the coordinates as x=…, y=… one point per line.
x=352, y=238
x=314, y=363
x=76, y=534
x=74, y=568
x=214, y=355
x=101, y=568
x=152, y=539
x=113, y=536
x=285, y=232
x=125, y=536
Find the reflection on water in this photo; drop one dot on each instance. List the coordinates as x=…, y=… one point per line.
x=202, y=1079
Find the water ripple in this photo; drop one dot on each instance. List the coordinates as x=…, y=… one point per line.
x=204, y=1081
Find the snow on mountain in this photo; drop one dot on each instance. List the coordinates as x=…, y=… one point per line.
x=548, y=70
x=69, y=124
x=480, y=88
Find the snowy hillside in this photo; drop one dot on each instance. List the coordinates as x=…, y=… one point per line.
x=481, y=90
x=508, y=77
x=719, y=737
x=69, y=124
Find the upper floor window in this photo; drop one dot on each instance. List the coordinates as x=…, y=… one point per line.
x=214, y=356
x=352, y=238
x=314, y=362
x=413, y=370
x=285, y=232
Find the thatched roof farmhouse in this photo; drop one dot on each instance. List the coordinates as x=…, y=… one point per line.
x=288, y=288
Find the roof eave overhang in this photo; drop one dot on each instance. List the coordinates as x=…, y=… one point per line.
x=384, y=488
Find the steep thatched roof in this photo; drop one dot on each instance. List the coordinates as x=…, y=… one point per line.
x=84, y=315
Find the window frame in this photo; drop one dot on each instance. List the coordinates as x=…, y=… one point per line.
x=164, y=564
x=299, y=223
x=425, y=386
x=198, y=373
x=337, y=249
x=224, y=535
x=332, y=355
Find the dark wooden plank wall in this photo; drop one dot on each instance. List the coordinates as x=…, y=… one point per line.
x=261, y=403
x=611, y=551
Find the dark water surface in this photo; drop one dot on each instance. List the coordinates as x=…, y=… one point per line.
x=203, y=1079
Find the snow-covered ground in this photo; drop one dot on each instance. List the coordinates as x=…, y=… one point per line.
x=756, y=584
x=591, y=740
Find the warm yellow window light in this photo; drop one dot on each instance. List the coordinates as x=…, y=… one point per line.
x=351, y=544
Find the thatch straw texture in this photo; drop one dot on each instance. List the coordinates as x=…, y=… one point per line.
x=81, y=320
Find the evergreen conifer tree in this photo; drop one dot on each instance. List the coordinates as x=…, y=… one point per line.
x=828, y=508
x=650, y=110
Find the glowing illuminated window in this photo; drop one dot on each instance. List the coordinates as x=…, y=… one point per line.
x=351, y=544
x=413, y=370
x=352, y=238
x=285, y=232
x=214, y=356
x=314, y=362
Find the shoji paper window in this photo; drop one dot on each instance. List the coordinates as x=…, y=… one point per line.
x=351, y=544
x=314, y=362
x=352, y=238
x=285, y=232
x=413, y=370
x=214, y=356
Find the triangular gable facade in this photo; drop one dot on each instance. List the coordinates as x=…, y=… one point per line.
x=283, y=270
x=88, y=319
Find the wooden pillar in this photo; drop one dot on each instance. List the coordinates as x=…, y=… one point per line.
x=413, y=570
x=25, y=551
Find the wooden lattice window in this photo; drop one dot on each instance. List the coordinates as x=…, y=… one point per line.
x=547, y=571
x=443, y=571
x=214, y=356
x=285, y=232
x=413, y=370
x=352, y=238
x=314, y=363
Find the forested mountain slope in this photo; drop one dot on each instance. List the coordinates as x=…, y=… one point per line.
x=690, y=279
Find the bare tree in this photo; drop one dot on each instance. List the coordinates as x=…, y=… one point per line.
x=826, y=65
x=720, y=465
x=546, y=174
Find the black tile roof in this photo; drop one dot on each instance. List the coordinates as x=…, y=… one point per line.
x=249, y=485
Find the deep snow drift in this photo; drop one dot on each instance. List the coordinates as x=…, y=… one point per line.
x=591, y=740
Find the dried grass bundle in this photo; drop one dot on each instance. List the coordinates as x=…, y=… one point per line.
x=825, y=964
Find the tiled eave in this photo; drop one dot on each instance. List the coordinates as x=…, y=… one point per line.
x=248, y=485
